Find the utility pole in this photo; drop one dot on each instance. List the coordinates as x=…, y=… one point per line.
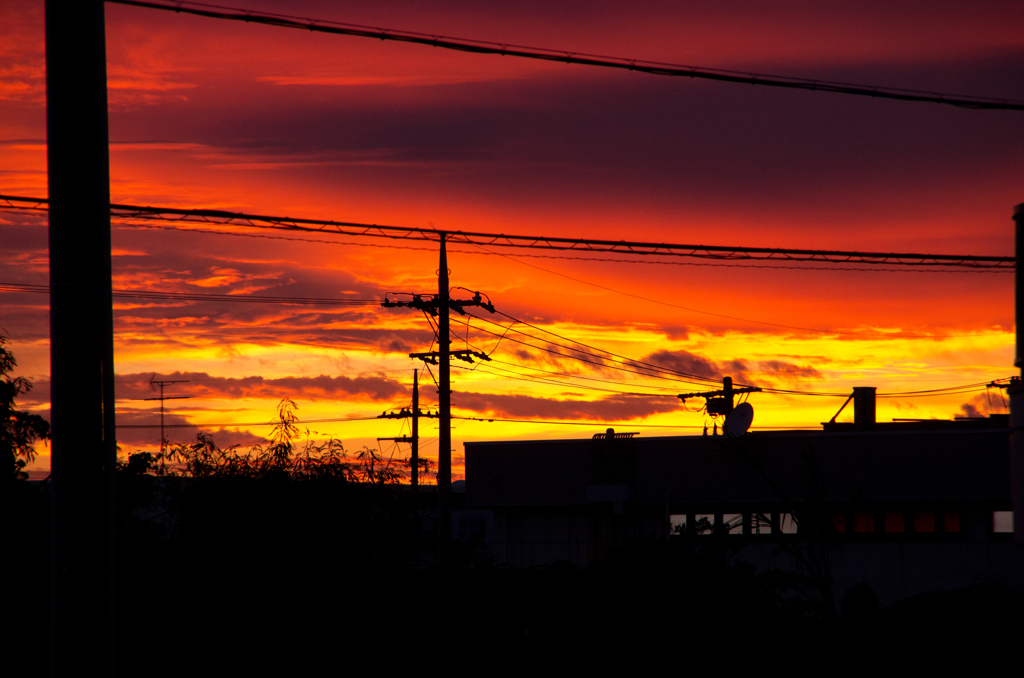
x=444, y=407
x=414, y=459
x=439, y=306
x=153, y=383
x=720, y=402
x=414, y=439
x=84, y=449
x=1016, y=388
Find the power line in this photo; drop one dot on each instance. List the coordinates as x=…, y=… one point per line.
x=951, y=390
x=248, y=423
x=655, y=370
x=200, y=379
x=578, y=58
x=187, y=296
x=299, y=300
x=881, y=335
x=835, y=266
x=321, y=301
x=572, y=423
x=600, y=362
x=347, y=228
x=227, y=218
x=570, y=375
x=553, y=382
x=627, y=424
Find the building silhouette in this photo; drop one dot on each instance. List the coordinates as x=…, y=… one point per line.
x=906, y=506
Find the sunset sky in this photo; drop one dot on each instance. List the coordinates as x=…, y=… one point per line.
x=207, y=113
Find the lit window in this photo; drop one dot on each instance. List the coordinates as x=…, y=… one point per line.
x=893, y=522
x=839, y=522
x=787, y=524
x=677, y=523
x=732, y=523
x=1002, y=521
x=864, y=522
x=924, y=522
x=704, y=523
x=760, y=523
x=951, y=522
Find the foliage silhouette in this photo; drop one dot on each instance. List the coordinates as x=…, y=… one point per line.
x=19, y=431
x=316, y=460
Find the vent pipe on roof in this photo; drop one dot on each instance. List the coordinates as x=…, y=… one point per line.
x=864, y=407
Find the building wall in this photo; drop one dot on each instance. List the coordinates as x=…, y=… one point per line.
x=573, y=500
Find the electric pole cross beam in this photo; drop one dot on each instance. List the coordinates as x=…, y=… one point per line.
x=721, y=401
x=415, y=414
x=439, y=305
x=406, y=413
x=464, y=355
x=430, y=303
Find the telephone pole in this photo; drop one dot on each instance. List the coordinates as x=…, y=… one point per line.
x=84, y=449
x=414, y=439
x=721, y=401
x=444, y=407
x=1016, y=387
x=414, y=458
x=440, y=305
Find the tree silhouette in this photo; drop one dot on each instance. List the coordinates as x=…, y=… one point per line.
x=19, y=431
x=313, y=460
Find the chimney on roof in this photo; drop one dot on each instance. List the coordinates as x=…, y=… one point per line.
x=864, y=407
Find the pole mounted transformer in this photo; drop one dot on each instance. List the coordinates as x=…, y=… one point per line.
x=84, y=451
x=722, y=403
x=439, y=306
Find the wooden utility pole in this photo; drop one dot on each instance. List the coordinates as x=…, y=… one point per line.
x=414, y=438
x=414, y=461
x=84, y=451
x=1016, y=387
x=439, y=305
x=444, y=406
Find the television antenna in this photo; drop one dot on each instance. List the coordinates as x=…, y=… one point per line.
x=153, y=384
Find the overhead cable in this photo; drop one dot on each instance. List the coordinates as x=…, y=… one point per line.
x=348, y=228
x=823, y=267
x=578, y=58
x=249, y=423
x=654, y=371
x=553, y=382
x=880, y=335
x=185, y=296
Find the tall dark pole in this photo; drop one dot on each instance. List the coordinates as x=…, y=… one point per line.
x=444, y=415
x=1016, y=388
x=414, y=472
x=81, y=342
x=163, y=434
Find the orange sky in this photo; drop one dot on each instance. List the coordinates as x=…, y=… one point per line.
x=216, y=114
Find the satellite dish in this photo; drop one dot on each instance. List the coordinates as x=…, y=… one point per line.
x=738, y=421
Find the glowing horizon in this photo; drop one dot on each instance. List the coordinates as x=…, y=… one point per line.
x=212, y=114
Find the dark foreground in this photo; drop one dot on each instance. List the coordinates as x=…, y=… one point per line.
x=322, y=576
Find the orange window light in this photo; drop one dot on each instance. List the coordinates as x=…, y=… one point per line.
x=863, y=522
x=894, y=522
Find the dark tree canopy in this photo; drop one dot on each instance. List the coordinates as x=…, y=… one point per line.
x=19, y=431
